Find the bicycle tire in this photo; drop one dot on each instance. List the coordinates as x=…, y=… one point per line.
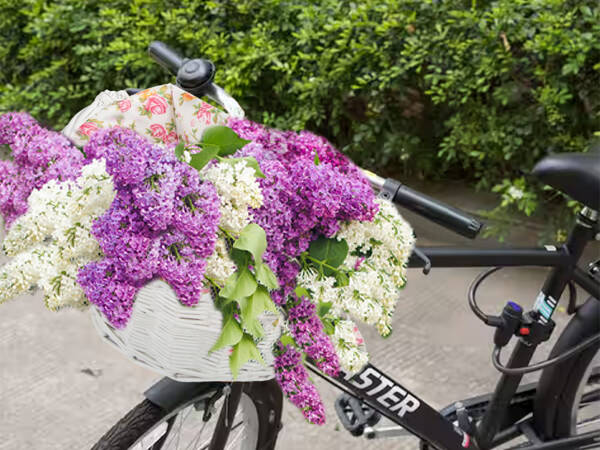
x=147, y=416
x=556, y=397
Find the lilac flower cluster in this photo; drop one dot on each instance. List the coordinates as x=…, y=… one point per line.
x=304, y=197
x=307, y=329
x=302, y=200
x=294, y=382
x=39, y=155
x=163, y=222
x=289, y=146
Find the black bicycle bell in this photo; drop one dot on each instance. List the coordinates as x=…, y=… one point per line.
x=196, y=75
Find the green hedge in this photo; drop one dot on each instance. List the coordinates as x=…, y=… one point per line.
x=476, y=90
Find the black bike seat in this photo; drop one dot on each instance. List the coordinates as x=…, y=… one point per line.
x=575, y=174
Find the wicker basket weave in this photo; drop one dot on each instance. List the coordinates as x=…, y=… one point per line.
x=174, y=340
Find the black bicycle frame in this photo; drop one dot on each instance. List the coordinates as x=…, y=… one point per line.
x=406, y=409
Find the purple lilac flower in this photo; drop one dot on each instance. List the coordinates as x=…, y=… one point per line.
x=293, y=379
x=13, y=123
x=293, y=146
x=126, y=154
x=182, y=267
x=39, y=155
x=307, y=329
x=13, y=201
x=124, y=237
x=163, y=222
x=194, y=198
x=108, y=287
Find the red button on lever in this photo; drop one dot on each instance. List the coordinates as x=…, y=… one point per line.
x=524, y=331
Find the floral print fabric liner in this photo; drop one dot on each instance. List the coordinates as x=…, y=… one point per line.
x=163, y=114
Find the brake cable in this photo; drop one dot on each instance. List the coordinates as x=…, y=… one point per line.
x=539, y=366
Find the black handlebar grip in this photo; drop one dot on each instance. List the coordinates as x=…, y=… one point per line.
x=432, y=209
x=165, y=56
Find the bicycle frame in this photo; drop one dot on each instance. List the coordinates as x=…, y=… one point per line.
x=397, y=403
x=401, y=406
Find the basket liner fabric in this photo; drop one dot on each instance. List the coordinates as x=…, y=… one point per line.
x=163, y=114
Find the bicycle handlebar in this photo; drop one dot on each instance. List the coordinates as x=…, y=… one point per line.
x=165, y=56
x=430, y=208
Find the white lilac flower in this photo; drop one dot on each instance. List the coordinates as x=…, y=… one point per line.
x=219, y=266
x=53, y=240
x=349, y=346
x=376, y=260
x=238, y=190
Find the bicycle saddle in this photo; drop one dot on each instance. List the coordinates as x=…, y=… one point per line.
x=575, y=174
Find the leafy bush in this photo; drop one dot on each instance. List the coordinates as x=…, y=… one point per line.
x=477, y=90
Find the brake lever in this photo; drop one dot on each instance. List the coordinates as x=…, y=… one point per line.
x=423, y=257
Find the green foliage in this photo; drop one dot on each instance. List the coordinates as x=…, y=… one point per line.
x=244, y=351
x=265, y=276
x=327, y=254
x=477, y=90
x=217, y=142
x=252, y=239
x=230, y=335
x=223, y=138
x=245, y=296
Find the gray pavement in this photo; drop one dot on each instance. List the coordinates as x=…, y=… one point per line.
x=61, y=387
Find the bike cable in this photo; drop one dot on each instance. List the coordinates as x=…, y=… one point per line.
x=492, y=321
x=496, y=321
x=549, y=362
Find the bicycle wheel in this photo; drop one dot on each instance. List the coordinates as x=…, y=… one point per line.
x=568, y=400
x=193, y=423
x=584, y=413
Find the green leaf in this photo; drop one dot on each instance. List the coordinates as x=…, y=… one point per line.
x=199, y=160
x=253, y=239
x=328, y=327
x=252, y=162
x=224, y=138
x=301, y=292
x=262, y=295
x=341, y=279
x=230, y=335
x=254, y=305
x=317, y=160
x=255, y=328
x=241, y=258
x=179, y=150
x=250, y=309
x=239, y=285
x=329, y=251
x=286, y=339
x=265, y=276
x=243, y=351
x=229, y=286
x=323, y=308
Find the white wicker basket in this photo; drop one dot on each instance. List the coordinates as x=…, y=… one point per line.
x=174, y=340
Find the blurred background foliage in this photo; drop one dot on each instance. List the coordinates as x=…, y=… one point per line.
x=441, y=90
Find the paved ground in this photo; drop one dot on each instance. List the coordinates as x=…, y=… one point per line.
x=61, y=387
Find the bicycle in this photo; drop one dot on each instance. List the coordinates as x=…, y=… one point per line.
x=545, y=413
